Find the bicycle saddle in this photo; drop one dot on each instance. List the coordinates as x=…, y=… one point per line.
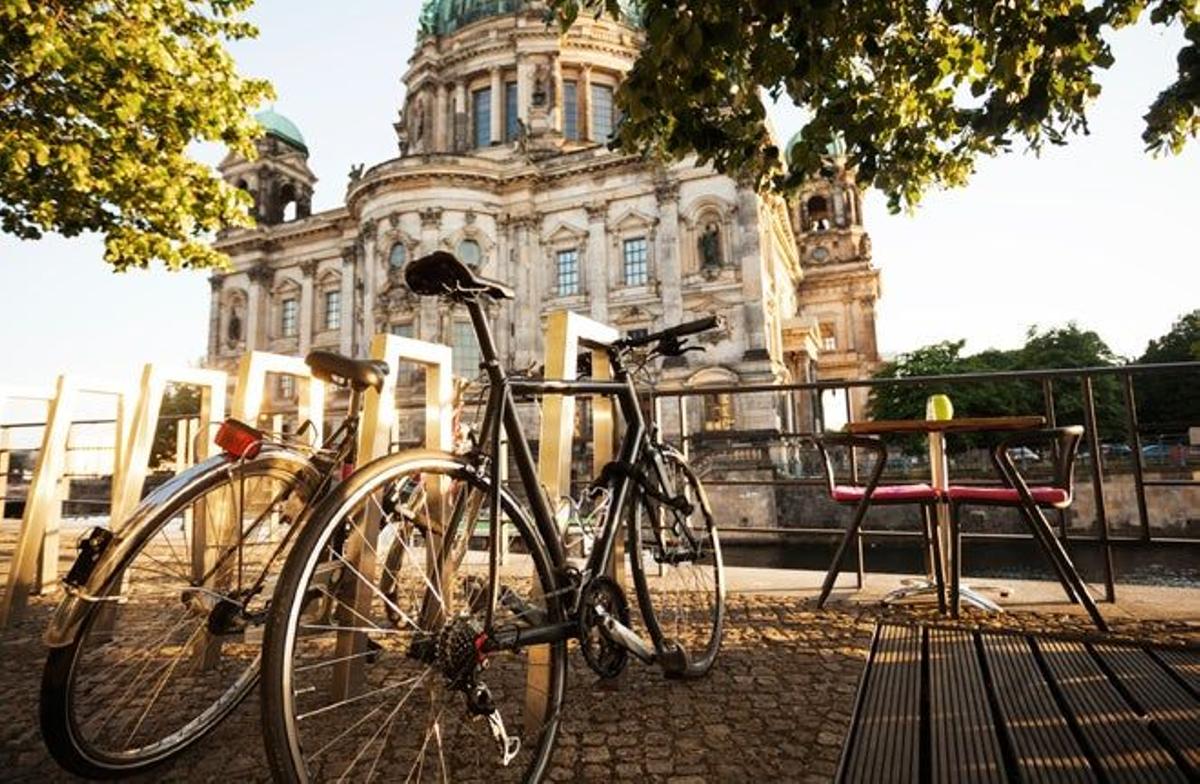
x=356, y=373
x=441, y=273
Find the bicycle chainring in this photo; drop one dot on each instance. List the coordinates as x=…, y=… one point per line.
x=606, y=658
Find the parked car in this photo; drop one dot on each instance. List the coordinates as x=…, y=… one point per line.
x=1023, y=454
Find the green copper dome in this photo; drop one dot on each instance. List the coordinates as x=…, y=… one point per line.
x=442, y=17
x=281, y=128
x=835, y=148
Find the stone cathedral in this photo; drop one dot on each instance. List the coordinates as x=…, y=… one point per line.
x=502, y=159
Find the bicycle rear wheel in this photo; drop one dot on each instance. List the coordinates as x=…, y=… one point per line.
x=392, y=674
x=165, y=654
x=678, y=573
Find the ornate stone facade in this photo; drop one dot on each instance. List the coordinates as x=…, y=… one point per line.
x=502, y=160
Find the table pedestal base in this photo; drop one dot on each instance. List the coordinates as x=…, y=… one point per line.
x=927, y=587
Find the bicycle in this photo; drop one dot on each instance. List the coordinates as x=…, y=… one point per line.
x=459, y=670
x=158, y=636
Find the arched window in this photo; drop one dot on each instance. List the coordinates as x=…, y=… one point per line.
x=470, y=253
x=398, y=256
x=287, y=203
x=818, y=213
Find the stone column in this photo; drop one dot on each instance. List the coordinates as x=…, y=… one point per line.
x=307, y=306
x=365, y=251
x=497, y=106
x=443, y=133
x=216, y=283
x=524, y=87
x=666, y=252
x=596, y=277
x=459, y=119
x=748, y=253
x=349, y=316
x=585, y=108
x=557, y=118
x=851, y=336
x=431, y=223
x=258, y=305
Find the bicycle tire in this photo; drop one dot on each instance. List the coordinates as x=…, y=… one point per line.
x=61, y=701
x=685, y=625
x=308, y=639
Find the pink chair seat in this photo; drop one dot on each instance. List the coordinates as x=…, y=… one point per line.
x=1047, y=496
x=884, y=494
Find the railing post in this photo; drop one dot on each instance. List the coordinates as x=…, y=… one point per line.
x=1135, y=443
x=1052, y=421
x=860, y=571
x=1089, y=416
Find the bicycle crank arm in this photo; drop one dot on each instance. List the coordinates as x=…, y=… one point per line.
x=620, y=634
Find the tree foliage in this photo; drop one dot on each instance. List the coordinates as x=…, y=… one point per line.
x=919, y=91
x=1170, y=401
x=178, y=402
x=1064, y=347
x=98, y=102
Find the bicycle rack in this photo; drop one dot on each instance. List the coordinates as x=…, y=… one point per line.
x=566, y=334
x=378, y=419
x=34, y=564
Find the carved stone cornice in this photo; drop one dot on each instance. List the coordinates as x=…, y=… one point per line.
x=261, y=273
x=431, y=218
x=666, y=190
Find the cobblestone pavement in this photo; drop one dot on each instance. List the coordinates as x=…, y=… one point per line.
x=775, y=708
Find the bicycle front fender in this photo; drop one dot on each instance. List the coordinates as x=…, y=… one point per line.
x=69, y=615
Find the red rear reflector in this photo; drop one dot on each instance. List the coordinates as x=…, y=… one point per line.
x=239, y=439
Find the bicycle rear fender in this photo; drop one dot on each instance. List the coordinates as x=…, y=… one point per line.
x=64, y=623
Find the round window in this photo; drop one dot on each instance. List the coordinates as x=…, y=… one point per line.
x=398, y=256
x=470, y=253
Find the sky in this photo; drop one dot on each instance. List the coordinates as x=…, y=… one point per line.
x=1097, y=232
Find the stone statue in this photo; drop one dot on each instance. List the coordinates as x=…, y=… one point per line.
x=234, y=330
x=416, y=121
x=710, y=248
x=864, y=247
x=356, y=172
x=543, y=86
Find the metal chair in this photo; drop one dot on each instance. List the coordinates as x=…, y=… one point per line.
x=863, y=496
x=1030, y=500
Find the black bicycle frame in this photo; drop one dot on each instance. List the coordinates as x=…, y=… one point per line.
x=501, y=412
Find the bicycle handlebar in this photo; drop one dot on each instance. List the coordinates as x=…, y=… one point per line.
x=673, y=333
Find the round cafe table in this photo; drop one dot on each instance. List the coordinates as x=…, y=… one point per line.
x=936, y=430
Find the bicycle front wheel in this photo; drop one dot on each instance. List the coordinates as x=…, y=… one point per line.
x=170, y=643
x=395, y=674
x=675, y=555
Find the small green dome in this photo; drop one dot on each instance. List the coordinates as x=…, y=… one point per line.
x=442, y=17
x=281, y=128
x=835, y=149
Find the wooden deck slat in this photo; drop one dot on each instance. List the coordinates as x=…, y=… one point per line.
x=1173, y=709
x=1120, y=741
x=887, y=739
x=949, y=705
x=1185, y=665
x=964, y=741
x=1046, y=751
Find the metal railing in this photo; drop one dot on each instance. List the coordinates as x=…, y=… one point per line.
x=683, y=432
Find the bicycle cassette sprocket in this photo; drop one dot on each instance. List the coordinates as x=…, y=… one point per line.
x=606, y=658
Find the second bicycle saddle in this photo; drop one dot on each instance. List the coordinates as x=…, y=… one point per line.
x=440, y=273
